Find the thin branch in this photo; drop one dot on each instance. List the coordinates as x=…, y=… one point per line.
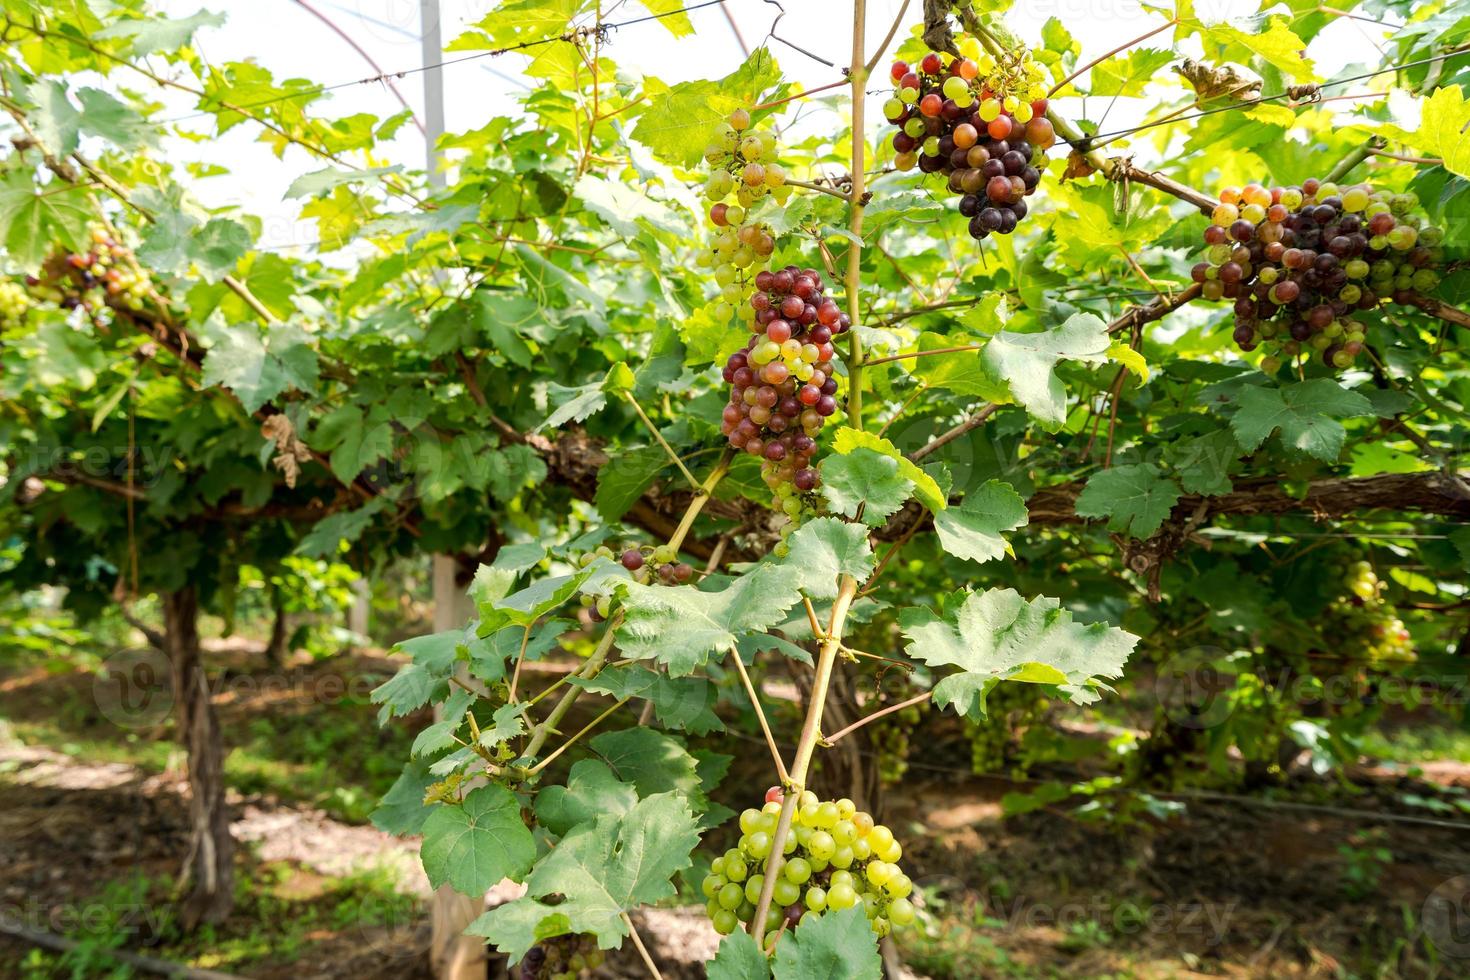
x=924, y=353
x=573, y=740
x=973, y=422
x=642, y=950
x=760, y=715
x=693, y=483
x=887, y=39
x=515, y=677
x=910, y=702
x=830, y=192
x=1099, y=60
x=811, y=617
x=1423, y=161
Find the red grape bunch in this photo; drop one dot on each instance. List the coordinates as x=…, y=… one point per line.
x=107, y=274
x=646, y=562
x=1298, y=262
x=981, y=122
x=783, y=385
x=836, y=858
x=743, y=171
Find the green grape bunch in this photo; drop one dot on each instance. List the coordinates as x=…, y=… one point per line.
x=15, y=303
x=743, y=170
x=836, y=857
x=1364, y=624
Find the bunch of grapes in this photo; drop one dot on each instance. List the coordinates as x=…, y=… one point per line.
x=743, y=167
x=1364, y=623
x=783, y=386
x=836, y=857
x=562, y=958
x=1299, y=261
x=107, y=274
x=14, y=303
x=645, y=561
x=981, y=122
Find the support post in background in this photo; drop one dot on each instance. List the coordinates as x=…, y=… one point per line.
x=452, y=954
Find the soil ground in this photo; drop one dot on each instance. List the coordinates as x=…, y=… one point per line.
x=93, y=824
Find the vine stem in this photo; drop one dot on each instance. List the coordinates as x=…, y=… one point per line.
x=760, y=715
x=661, y=440
x=642, y=950
x=916, y=699
x=599, y=656
x=573, y=740
x=906, y=355
x=857, y=75
x=819, y=188
x=806, y=745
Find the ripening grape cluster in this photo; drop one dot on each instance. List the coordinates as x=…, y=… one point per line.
x=105, y=274
x=1364, y=623
x=14, y=302
x=562, y=958
x=1300, y=261
x=783, y=386
x=743, y=169
x=981, y=122
x=836, y=858
x=646, y=562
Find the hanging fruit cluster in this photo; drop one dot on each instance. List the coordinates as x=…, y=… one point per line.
x=836, y=858
x=1300, y=261
x=560, y=958
x=743, y=170
x=15, y=302
x=980, y=121
x=783, y=386
x=106, y=274
x=1364, y=625
x=645, y=562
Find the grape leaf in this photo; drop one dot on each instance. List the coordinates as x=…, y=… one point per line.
x=602, y=870
x=1203, y=464
x=830, y=946
x=34, y=219
x=997, y=635
x=1128, y=74
x=327, y=536
x=1277, y=45
x=685, y=703
x=1305, y=412
x=650, y=760
x=513, y=928
x=681, y=119
x=1442, y=123
x=868, y=479
x=739, y=958
x=622, y=206
x=963, y=372
x=591, y=790
x=625, y=478
x=679, y=626
x=258, y=368
x=1027, y=361
x=56, y=121
x=973, y=529
x=432, y=661
x=826, y=549
x=575, y=404
x=1135, y=499
x=925, y=486
x=402, y=809
x=478, y=844
x=160, y=33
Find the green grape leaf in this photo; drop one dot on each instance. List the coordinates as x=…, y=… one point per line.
x=1442, y=122
x=652, y=761
x=926, y=489
x=402, y=810
x=1027, y=361
x=824, y=550
x=575, y=404
x=868, y=479
x=602, y=870
x=591, y=790
x=159, y=33
x=258, y=368
x=326, y=537
x=1306, y=414
x=35, y=219
x=478, y=844
x=57, y=122
x=1128, y=74
x=1277, y=45
x=679, y=626
x=963, y=372
x=974, y=529
x=830, y=946
x=739, y=958
x=623, y=206
x=684, y=703
x=681, y=119
x=625, y=478
x=513, y=928
x=433, y=658
x=997, y=635
x=1203, y=464
x=1136, y=499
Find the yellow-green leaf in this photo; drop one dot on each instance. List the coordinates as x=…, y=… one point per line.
x=925, y=487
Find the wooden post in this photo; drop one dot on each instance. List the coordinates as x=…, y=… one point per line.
x=453, y=955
